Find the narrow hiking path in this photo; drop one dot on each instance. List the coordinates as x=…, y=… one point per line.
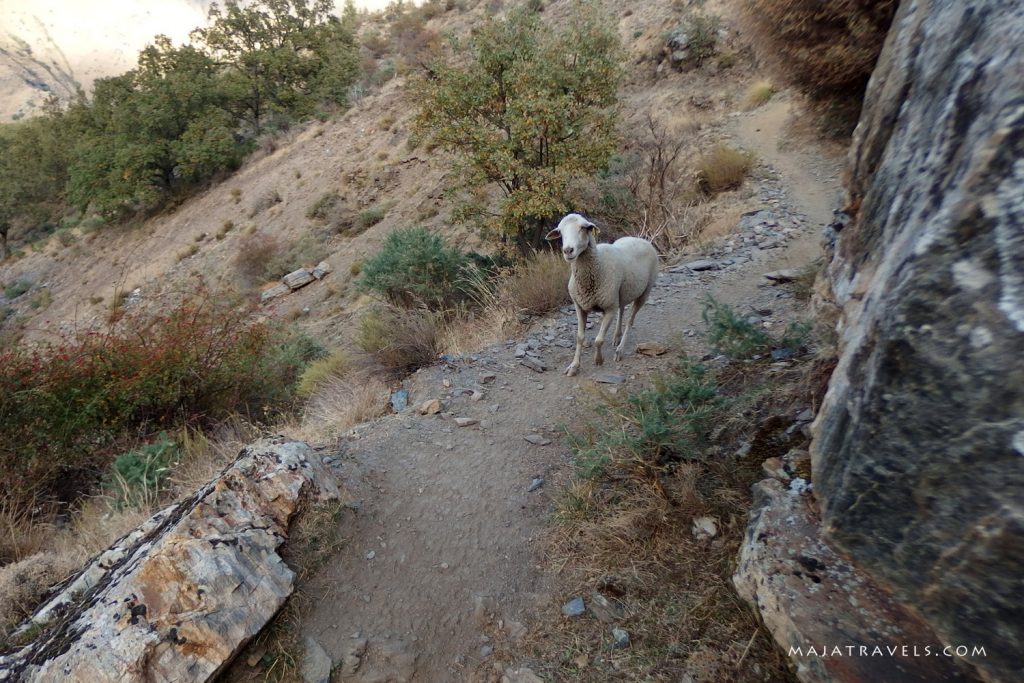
x=442, y=546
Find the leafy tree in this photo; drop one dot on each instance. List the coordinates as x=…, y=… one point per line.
x=33, y=160
x=281, y=55
x=151, y=130
x=529, y=108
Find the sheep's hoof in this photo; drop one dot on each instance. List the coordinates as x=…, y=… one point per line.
x=618, y=356
x=572, y=370
x=599, y=360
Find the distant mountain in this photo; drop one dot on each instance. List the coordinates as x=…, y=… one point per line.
x=53, y=46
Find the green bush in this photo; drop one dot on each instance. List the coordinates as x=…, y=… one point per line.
x=371, y=217
x=68, y=408
x=321, y=370
x=16, y=289
x=654, y=428
x=136, y=476
x=416, y=267
x=731, y=335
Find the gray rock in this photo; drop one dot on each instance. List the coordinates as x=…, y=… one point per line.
x=465, y=421
x=620, y=638
x=487, y=377
x=298, y=278
x=316, y=663
x=574, y=608
x=804, y=590
x=400, y=400
x=702, y=264
x=521, y=350
x=321, y=270
x=535, y=484
x=537, y=439
x=780, y=276
x=486, y=650
x=750, y=221
x=609, y=378
x=607, y=610
x=274, y=292
x=533, y=364
x=704, y=528
x=121, y=618
x=912, y=454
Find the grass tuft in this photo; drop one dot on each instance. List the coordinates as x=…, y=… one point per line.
x=723, y=168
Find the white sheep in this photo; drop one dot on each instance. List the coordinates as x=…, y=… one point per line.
x=605, y=277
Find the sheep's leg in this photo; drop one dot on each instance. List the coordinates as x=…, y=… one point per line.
x=581, y=329
x=606, y=322
x=618, y=325
x=637, y=305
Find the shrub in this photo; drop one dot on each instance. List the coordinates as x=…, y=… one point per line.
x=723, y=168
x=757, y=94
x=541, y=284
x=136, y=476
x=696, y=37
x=415, y=267
x=262, y=257
x=372, y=216
x=826, y=47
x=335, y=364
x=321, y=209
x=67, y=407
x=400, y=339
x=662, y=425
x=16, y=289
x=736, y=337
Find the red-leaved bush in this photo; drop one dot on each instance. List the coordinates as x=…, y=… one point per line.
x=66, y=409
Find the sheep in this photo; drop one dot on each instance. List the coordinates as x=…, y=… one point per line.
x=604, y=277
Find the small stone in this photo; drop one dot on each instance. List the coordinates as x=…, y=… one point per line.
x=620, y=638
x=535, y=484
x=744, y=450
x=702, y=264
x=780, y=276
x=476, y=395
x=534, y=364
x=444, y=565
x=805, y=415
x=651, y=349
x=704, y=528
x=316, y=664
x=274, y=292
x=327, y=460
x=574, y=608
x=400, y=400
x=782, y=354
x=488, y=377
x=774, y=469
x=609, y=378
x=486, y=650
x=372, y=554
x=537, y=439
x=605, y=610
x=520, y=351
x=465, y=421
x=431, y=407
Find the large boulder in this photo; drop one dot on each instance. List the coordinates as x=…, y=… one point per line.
x=918, y=451
x=177, y=598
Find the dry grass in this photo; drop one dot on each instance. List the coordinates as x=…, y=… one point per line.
x=24, y=530
x=758, y=94
x=539, y=285
x=626, y=534
x=339, y=404
x=25, y=583
x=323, y=370
x=400, y=339
x=723, y=168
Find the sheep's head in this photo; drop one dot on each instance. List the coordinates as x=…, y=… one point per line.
x=576, y=233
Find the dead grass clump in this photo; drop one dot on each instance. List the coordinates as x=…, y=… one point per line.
x=723, y=168
x=645, y=471
x=757, y=94
x=341, y=403
x=540, y=284
x=25, y=583
x=824, y=47
x=23, y=530
x=262, y=257
x=400, y=339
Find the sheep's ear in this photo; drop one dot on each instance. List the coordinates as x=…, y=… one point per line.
x=553, y=235
x=593, y=229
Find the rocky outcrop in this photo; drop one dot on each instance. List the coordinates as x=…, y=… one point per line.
x=918, y=451
x=830, y=618
x=178, y=597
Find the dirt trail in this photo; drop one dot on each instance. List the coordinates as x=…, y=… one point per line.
x=442, y=542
